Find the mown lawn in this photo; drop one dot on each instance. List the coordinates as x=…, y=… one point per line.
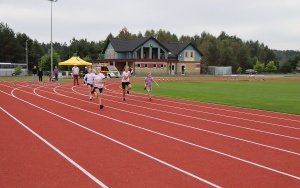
x=280, y=96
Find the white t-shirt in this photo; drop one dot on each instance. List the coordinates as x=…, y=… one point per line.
x=98, y=80
x=125, y=74
x=75, y=70
x=89, y=78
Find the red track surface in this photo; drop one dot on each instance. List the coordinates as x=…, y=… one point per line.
x=53, y=136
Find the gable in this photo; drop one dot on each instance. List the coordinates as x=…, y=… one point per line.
x=124, y=45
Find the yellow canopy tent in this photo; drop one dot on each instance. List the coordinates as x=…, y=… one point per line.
x=75, y=61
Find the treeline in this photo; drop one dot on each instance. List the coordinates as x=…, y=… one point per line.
x=223, y=50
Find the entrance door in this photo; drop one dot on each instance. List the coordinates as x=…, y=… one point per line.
x=182, y=69
x=172, y=69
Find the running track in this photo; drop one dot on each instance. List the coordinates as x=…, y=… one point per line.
x=52, y=136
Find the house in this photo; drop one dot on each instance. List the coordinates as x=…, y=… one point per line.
x=146, y=54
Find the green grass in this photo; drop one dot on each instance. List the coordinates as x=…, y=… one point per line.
x=280, y=96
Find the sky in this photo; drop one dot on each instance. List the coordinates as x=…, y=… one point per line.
x=275, y=23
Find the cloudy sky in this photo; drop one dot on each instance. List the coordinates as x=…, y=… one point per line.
x=276, y=23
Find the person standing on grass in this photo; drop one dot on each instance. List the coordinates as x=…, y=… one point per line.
x=75, y=73
x=89, y=80
x=34, y=72
x=55, y=71
x=40, y=74
x=148, y=84
x=99, y=85
x=126, y=86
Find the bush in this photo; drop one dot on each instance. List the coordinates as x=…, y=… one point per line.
x=17, y=71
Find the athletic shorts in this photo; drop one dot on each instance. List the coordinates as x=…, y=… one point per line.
x=89, y=84
x=100, y=89
x=124, y=84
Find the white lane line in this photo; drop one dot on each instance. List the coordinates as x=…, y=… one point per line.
x=221, y=115
x=183, y=125
x=203, y=119
x=167, y=136
x=58, y=151
x=228, y=110
x=211, y=113
x=178, y=124
x=118, y=142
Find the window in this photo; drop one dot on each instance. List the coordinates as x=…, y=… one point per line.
x=139, y=65
x=154, y=65
x=161, y=65
x=146, y=65
x=192, y=54
x=186, y=54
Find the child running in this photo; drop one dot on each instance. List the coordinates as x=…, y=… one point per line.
x=125, y=81
x=148, y=84
x=98, y=85
x=89, y=78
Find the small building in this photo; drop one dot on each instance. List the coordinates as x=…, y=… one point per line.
x=146, y=54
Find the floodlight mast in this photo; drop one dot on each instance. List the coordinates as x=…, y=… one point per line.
x=51, y=42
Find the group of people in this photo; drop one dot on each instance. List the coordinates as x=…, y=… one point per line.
x=95, y=83
x=40, y=73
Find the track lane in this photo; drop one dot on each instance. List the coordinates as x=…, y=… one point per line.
x=26, y=160
x=125, y=129
x=112, y=162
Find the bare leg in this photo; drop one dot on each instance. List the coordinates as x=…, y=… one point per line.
x=97, y=92
x=123, y=94
x=89, y=90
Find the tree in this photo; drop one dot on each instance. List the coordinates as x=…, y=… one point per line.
x=270, y=67
x=239, y=70
x=124, y=33
x=45, y=62
x=11, y=50
x=259, y=66
x=18, y=70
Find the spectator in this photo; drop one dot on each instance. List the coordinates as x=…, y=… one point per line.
x=40, y=74
x=55, y=71
x=75, y=73
x=34, y=72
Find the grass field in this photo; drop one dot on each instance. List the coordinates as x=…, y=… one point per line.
x=280, y=96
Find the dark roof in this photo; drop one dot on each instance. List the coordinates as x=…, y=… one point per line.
x=129, y=45
x=177, y=48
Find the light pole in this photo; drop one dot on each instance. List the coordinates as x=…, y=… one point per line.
x=27, y=56
x=51, y=42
